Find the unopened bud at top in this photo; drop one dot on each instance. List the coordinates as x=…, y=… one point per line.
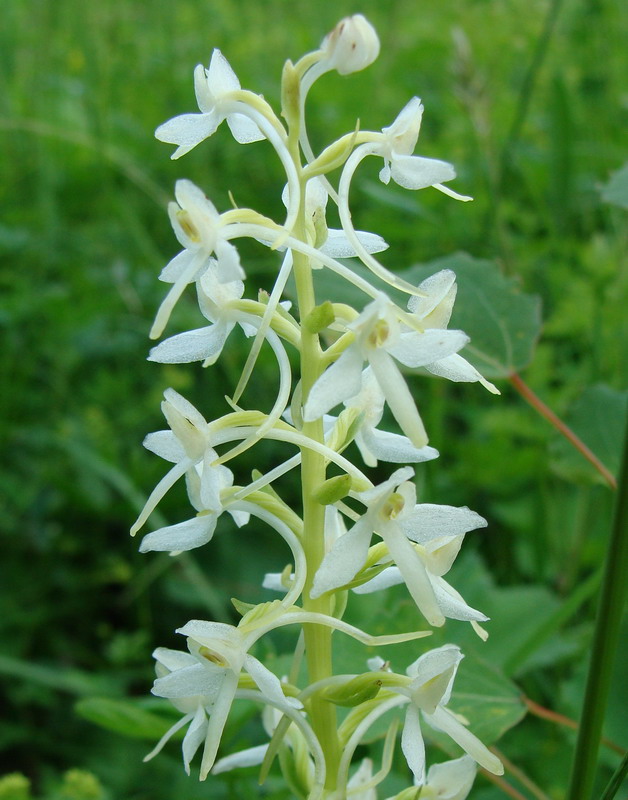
x=352, y=45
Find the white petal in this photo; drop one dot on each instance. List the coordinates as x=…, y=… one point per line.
x=391, y=576
x=430, y=521
x=393, y=447
x=456, y=368
x=452, y=780
x=398, y=397
x=412, y=743
x=220, y=76
x=217, y=721
x=244, y=129
x=416, y=172
x=434, y=662
x=173, y=659
x=192, y=681
x=194, y=736
x=339, y=381
x=187, y=131
x=268, y=683
x=203, y=94
x=182, y=536
x=228, y=267
x=190, y=346
x=178, y=265
x=451, y=603
x=166, y=445
x=338, y=246
x=250, y=757
x=418, y=349
x=437, y=287
x=442, y=719
x=345, y=558
x=413, y=571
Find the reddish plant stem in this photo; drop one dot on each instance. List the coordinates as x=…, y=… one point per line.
x=536, y=402
x=553, y=716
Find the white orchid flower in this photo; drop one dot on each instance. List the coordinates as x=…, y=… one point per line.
x=203, y=684
x=248, y=115
x=205, y=494
x=187, y=443
x=395, y=145
x=438, y=530
x=377, y=331
x=201, y=230
x=206, y=344
x=433, y=309
x=375, y=445
x=214, y=88
x=432, y=676
x=389, y=505
x=396, y=148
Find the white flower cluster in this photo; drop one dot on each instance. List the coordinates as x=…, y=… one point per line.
x=359, y=371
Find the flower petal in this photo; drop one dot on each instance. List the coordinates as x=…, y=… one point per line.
x=412, y=743
x=338, y=246
x=443, y=720
x=456, y=368
x=430, y=521
x=346, y=557
x=418, y=349
x=416, y=172
x=339, y=381
x=194, y=736
x=196, y=345
x=187, y=130
x=182, y=536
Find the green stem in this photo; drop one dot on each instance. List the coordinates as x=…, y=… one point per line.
x=605, y=640
x=317, y=637
x=617, y=780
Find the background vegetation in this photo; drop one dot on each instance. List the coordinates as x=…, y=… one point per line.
x=529, y=101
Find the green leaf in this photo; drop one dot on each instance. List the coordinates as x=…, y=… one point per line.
x=65, y=680
x=503, y=322
x=126, y=717
x=616, y=190
x=598, y=417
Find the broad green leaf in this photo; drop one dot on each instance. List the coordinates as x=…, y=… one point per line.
x=125, y=717
x=598, y=417
x=616, y=190
x=503, y=322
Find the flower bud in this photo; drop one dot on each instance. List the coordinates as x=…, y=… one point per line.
x=352, y=45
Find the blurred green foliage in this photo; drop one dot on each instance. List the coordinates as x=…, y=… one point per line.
x=528, y=100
